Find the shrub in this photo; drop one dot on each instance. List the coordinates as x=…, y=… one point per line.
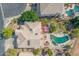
x=75, y=33
x=7, y=32
x=28, y=16
x=49, y=51
x=11, y=52
x=36, y=51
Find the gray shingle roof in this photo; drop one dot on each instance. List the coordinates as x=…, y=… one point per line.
x=47, y=9
x=13, y=9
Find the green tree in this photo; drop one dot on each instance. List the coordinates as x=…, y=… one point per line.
x=62, y=27
x=67, y=4
x=49, y=52
x=54, y=27
x=75, y=22
x=66, y=24
x=11, y=52
x=28, y=16
x=7, y=32
x=75, y=33
x=45, y=21
x=36, y=51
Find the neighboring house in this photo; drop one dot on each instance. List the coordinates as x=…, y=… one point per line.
x=48, y=9
x=29, y=35
x=10, y=10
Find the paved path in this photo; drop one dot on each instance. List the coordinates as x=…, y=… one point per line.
x=2, y=48
x=75, y=51
x=26, y=54
x=5, y=44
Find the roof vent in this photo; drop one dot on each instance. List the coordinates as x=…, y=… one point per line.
x=28, y=42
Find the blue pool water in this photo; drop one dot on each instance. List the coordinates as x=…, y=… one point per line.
x=70, y=12
x=59, y=40
x=76, y=8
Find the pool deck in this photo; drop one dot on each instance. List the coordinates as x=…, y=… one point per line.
x=58, y=34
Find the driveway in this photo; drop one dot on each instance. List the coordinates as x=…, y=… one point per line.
x=2, y=48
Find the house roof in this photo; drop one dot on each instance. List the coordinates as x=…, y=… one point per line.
x=47, y=9
x=27, y=38
x=13, y=9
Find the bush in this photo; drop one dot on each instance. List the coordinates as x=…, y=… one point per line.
x=54, y=26
x=49, y=52
x=75, y=33
x=45, y=21
x=75, y=22
x=7, y=32
x=36, y=51
x=67, y=54
x=11, y=52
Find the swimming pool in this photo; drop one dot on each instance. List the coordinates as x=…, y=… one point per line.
x=59, y=40
x=70, y=12
x=76, y=8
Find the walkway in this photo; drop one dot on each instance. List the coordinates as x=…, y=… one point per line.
x=76, y=48
x=26, y=53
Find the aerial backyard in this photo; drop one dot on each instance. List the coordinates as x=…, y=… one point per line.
x=30, y=34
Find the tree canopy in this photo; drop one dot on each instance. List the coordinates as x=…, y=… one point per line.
x=75, y=22
x=45, y=21
x=75, y=33
x=28, y=16
x=54, y=26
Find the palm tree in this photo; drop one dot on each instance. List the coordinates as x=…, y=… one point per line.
x=54, y=26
